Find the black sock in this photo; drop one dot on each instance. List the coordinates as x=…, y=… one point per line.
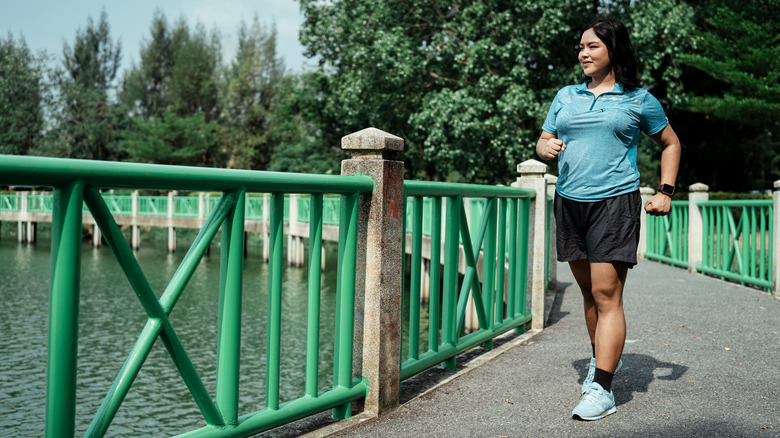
x=593, y=347
x=604, y=379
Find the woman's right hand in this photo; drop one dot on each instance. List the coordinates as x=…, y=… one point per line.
x=549, y=146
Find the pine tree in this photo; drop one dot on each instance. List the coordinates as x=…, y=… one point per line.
x=22, y=96
x=87, y=116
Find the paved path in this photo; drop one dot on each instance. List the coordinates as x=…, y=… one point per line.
x=702, y=358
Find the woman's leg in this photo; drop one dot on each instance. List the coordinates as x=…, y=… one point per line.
x=582, y=274
x=607, y=282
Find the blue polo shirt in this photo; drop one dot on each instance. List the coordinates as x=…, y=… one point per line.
x=601, y=135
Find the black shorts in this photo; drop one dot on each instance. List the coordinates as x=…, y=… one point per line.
x=602, y=231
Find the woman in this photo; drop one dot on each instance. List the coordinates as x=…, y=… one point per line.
x=593, y=129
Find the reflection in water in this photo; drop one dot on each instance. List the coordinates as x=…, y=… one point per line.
x=111, y=318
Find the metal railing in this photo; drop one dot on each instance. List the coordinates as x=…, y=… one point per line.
x=667, y=236
x=738, y=241
x=501, y=229
x=76, y=182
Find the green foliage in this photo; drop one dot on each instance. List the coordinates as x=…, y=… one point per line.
x=731, y=105
x=251, y=83
x=466, y=83
x=22, y=97
x=739, y=50
x=170, y=139
x=299, y=110
x=86, y=120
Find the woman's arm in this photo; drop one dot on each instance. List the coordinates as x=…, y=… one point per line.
x=660, y=204
x=549, y=146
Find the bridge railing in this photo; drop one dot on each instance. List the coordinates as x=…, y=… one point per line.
x=78, y=181
x=498, y=227
x=735, y=240
x=667, y=236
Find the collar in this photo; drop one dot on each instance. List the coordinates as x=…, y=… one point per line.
x=617, y=89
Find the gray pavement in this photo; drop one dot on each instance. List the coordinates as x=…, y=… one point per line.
x=702, y=358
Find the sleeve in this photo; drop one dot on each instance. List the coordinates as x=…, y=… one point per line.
x=552, y=115
x=652, y=119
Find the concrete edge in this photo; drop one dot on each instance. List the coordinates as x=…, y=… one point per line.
x=357, y=420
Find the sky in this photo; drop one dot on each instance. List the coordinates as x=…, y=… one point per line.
x=46, y=24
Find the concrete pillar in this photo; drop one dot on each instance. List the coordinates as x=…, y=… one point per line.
x=532, y=177
x=552, y=269
x=135, y=231
x=776, y=242
x=379, y=282
x=22, y=216
x=696, y=193
x=266, y=234
x=96, y=236
x=171, y=228
x=646, y=193
x=32, y=228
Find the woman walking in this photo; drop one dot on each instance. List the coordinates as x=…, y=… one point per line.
x=593, y=129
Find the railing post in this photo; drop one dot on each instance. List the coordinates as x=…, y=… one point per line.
x=22, y=216
x=532, y=177
x=696, y=193
x=379, y=279
x=552, y=261
x=292, y=225
x=776, y=241
x=64, y=311
x=645, y=193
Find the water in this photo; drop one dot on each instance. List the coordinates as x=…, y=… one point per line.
x=111, y=318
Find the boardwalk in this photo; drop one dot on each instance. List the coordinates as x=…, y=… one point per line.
x=701, y=359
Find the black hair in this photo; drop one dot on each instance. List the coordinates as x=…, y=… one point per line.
x=614, y=35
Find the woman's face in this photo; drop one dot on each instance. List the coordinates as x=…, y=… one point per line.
x=594, y=56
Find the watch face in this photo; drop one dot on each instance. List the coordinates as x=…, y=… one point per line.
x=666, y=189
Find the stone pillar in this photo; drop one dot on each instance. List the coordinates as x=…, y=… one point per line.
x=646, y=193
x=776, y=243
x=379, y=282
x=96, y=236
x=22, y=216
x=532, y=177
x=171, y=228
x=552, y=269
x=696, y=193
x=135, y=231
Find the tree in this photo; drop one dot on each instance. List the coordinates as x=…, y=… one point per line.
x=251, y=83
x=732, y=100
x=22, y=96
x=173, y=96
x=171, y=139
x=466, y=83
x=87, y=119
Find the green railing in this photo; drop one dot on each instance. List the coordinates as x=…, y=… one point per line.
x=667, y=236
x=187, y=206
x=153, y=206
x=79, y=181
x=737, y=242
x=10, y=202
x=497, y=310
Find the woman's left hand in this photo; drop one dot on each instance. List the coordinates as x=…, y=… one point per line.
x=659, y=205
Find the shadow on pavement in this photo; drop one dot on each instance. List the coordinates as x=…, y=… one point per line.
x=635, y=376
x=556, y=314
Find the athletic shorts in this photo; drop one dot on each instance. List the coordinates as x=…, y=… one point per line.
x=601, y=232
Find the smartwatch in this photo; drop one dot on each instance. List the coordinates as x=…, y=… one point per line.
x=666, y=189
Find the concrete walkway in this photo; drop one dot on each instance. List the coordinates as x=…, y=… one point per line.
x=702, y=358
